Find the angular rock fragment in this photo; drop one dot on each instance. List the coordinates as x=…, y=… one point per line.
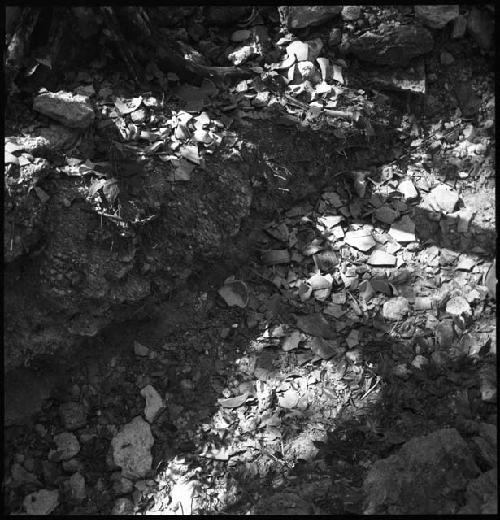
x=436, y=16
x=154, y=402
x=379, y=258
x=395, y=309
x=41, y=502
x=404, y=230
x=73, y=111
x=300, y=16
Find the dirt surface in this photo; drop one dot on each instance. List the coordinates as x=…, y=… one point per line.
x=278, y=328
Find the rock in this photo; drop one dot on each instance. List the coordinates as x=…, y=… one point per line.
x=468, y=100
x=154, y=402
x=235, y=293
x=132, y=448
x=67, y=447
x=419, y=361
x=285, y=503
x=457, y=306
x=465, y=216
x=57, y=137
x=445, y=333
x=436, y=16
x=121, y=485
x=301, y=16
x=482, y=495
x=361, y=239
x=324, y=349
x=379, y=257
x=72, y=465
x=73, y=111
x=490, y=280
x=241, y=35
x=21, y=476
x=41, y=502
x=225, y=15
x=446, y=58
x=407, y=189
x=123, y=506
x=334, y=37
x=350, y=13
x=386, y=214
x=298, y=50
x=424, y=477
x=481, y=26
x=459, y=27
x=394, y=46
x=76, y=487
x=73, y=415
x=488, y=383
x=443, y=198
x=395, y=309
x=242, y=54
x=140, y=349
x=486, y=445
x=316, y=325
x=465, y=263
x=404, y=230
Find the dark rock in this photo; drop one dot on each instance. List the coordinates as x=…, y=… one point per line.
x=301, y=16
x=423, y=477
x=73, y=415
x=481, y=26
x=436, y=16
x=482, y=495
x=225, y=15
x=394, y=46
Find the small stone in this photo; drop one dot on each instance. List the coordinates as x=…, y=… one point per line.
x=123, y=506
x=445, y=333
x=335, y=37
x=419, y=361
x=352, y=339
x=41, y=502
x=404, y=230
x=140, y=350
x=386, y=214
x=350, y=13
x=323, y=348
x=21, y=476
x=447, y=58
x=354, y=356
x=67, y=447
x=154, y=402
x=407, y=189
x=77, y=487
x=73, y=415
x=241, y=35
x=379, y=257
x=121, y=485
x=395, y=309
x=72, y=465
x=401, y=370
x=132, y=448
x=457, y=306
x=422, y=303
x=465, y=263
x=459, y=27
x=481, y=25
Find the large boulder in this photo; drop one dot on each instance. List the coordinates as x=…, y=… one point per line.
x=301, y=16
x=394, y=46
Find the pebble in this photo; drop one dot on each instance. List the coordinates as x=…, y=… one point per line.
x=41, y=502
x=73, y=415
x=354, y=356
x=72, y=465
x=21, y=476
x=67, y=447
x=457, y=306
x=445, y=333
x=121, y=485
x=382, y=258
x=422, y=303
x=350, y=13
x=395, y=309
x=140, y=350
x=407, y=189
x=419, y=361
x=132, y=448
x=154, y=402
x=465, y=263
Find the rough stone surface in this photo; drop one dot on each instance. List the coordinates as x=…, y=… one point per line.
x=73, y=111
x=436, y=16
x=403, y=230
x=379, y=257
x=123, y=506
x=482, y=495
x=41, y=502
x=394, y=46
x=73, y=415
x=76, y=487
x=407, y=188
x=386, y=214
x=132, y=448
x=443, y=198
x=350, y=13
x=481, y=26
x=67, y=447
x=300, y=16
x=457, y=306
x=423, y=477
x=395, y=309
x=154, y=402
